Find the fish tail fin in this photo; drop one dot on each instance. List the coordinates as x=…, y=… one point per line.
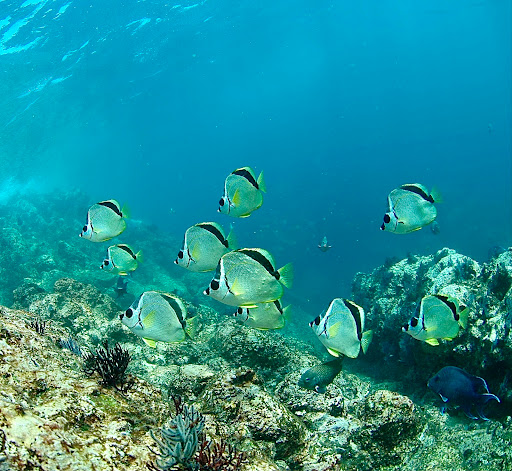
x=261, y=183
x=366, y=339
x=125, y=211
x=232, y=241
x=286, y=275
x=436, y=195
x=192, y=327
x=287, y=313
x=463, y=317
x=139, y=256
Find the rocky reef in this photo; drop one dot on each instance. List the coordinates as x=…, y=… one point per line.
x=378, y=413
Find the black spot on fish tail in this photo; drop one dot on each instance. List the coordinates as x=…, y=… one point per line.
x=262, y=260
x=176, y=308
x=247, y=175
x=127, y=249
x=112, y=206
x=212, y=229
x=450, y=304
x=418, y=191
x=356, y=314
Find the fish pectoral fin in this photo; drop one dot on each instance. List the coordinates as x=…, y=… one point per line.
x=196, y=252
x=433, y=342
x=236, y=289
x=366, y=339
x=150, y=342
x=237, y=198
x=334, y=353
x=333, y=330
x=149, y=320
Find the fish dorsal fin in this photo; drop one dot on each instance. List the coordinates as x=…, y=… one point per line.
x=215, y=229
x=419, y=190
x=127, y=249
x=150, y=342
x=263, y=258
x=113, y=205
x=334, y=329
x=450, y=303
x=248, y=174
x=177, y=306
x=237, y=198
x=358, y=315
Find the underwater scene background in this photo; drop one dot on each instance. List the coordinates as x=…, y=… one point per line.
x=155, y=103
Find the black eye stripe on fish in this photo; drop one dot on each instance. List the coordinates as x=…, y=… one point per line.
x=356, y=314
x=262, y=260
x=244, y=173
x=177, y=309
x=449, y=303
x=418, y=191
x=215, y=232
x=128, y=250
x=112, y=206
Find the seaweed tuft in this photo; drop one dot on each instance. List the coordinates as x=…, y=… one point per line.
x=110, y=364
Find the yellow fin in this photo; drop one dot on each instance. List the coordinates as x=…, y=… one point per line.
x=366, y=339
x=436, y=195
x=236, y=197
x=149, y=320
x=232, y=242
x=333, y=330
x=286, y=275
x=463, y=317
x=196, y=252
x=448, y=338
x=150, y=342
x=334, y=353
x=235, y=288
x=125, y=211
x=433, y=342
x=261, y=183
x=192, y=326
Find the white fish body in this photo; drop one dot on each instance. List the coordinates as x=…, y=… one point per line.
x=157, y=316
x=105, y=220
x=265, y=316
x=246, y=277
x=203, y=246
x=411, y=207
x=243, y=193
x=121, y=259
x=341, y=328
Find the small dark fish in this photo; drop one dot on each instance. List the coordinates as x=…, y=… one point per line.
x=120, y=287
x=462, y=389
x=319, y=377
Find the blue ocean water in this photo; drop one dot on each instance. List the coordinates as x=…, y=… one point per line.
x=154, y=103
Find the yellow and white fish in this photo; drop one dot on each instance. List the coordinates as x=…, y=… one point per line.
x=341, y=328
x=440, y=317
x=105, y=220
x=203, y=246
x=158, y=317
x=121, y=259
x=247, y=277
x=411, y=207
x=265, y=316
x=243, y=194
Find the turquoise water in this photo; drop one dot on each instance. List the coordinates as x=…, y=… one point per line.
x=154, y=103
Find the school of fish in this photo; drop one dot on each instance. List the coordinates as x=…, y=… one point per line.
x=248, y=279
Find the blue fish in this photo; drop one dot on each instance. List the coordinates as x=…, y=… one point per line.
x=462, y=389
